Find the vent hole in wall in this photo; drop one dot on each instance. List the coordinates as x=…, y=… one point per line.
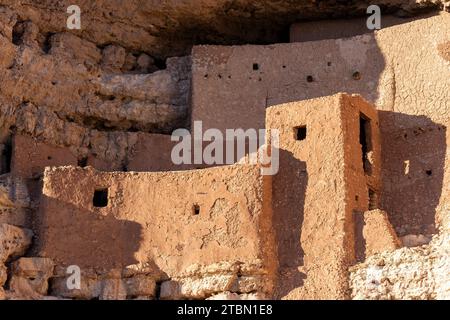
x=429, y=172
x=356, y=75
x=82, y=162
x=255, y=66
x=300, y=133
x=100, y=198
x=195, y=209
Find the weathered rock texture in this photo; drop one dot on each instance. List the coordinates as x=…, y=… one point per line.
x=171, y=27
x=30, y=277
x=14, y=242
x=70, y=92
x=407, y=273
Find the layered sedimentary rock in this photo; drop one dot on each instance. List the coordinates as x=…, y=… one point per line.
x=70, y=92
x=14, y=242
x=407, y=273
x=171, y=27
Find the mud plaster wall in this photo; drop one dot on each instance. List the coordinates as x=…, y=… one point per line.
x=402, y=69
x=169, y=220
x=315, y=238
x=30, y=157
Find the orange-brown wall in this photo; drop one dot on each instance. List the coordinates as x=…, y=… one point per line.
x=150, y=218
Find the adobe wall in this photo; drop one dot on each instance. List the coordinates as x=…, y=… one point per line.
x=152, y=152
x=151, y=220
x=320, y=185
x=30, y=157
x=374, y=234
x=402, y=69
x=147, y=152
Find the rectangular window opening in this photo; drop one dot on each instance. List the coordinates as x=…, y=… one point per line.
x=300, y=133
x=100, y=199
x=196, y=209
x=365, y=139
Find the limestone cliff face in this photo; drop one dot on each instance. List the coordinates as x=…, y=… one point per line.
x=68, y=91
x=407, y=273
x=168, y=28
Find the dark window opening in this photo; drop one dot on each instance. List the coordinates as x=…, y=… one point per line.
x=6, y=155
x=255, y=66
x=365, y=141
x=309, y=78
x=373, y=200
x=49, y=158
x=196, y=209
x=356, y=75
x=83, y=162
x=429, y=172
x=100, y=199
x=160, y=63
x=300, y=133
x=47, y=45
x=17, y=33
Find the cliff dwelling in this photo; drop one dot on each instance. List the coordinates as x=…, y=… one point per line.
x=323, y=170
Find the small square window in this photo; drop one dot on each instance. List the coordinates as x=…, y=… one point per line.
x=196, y=209
x=100, y=199
x=300, y=133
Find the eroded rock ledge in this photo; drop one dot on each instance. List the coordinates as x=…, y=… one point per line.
x=168, y=28
x=68, y=91
x=408, y=273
